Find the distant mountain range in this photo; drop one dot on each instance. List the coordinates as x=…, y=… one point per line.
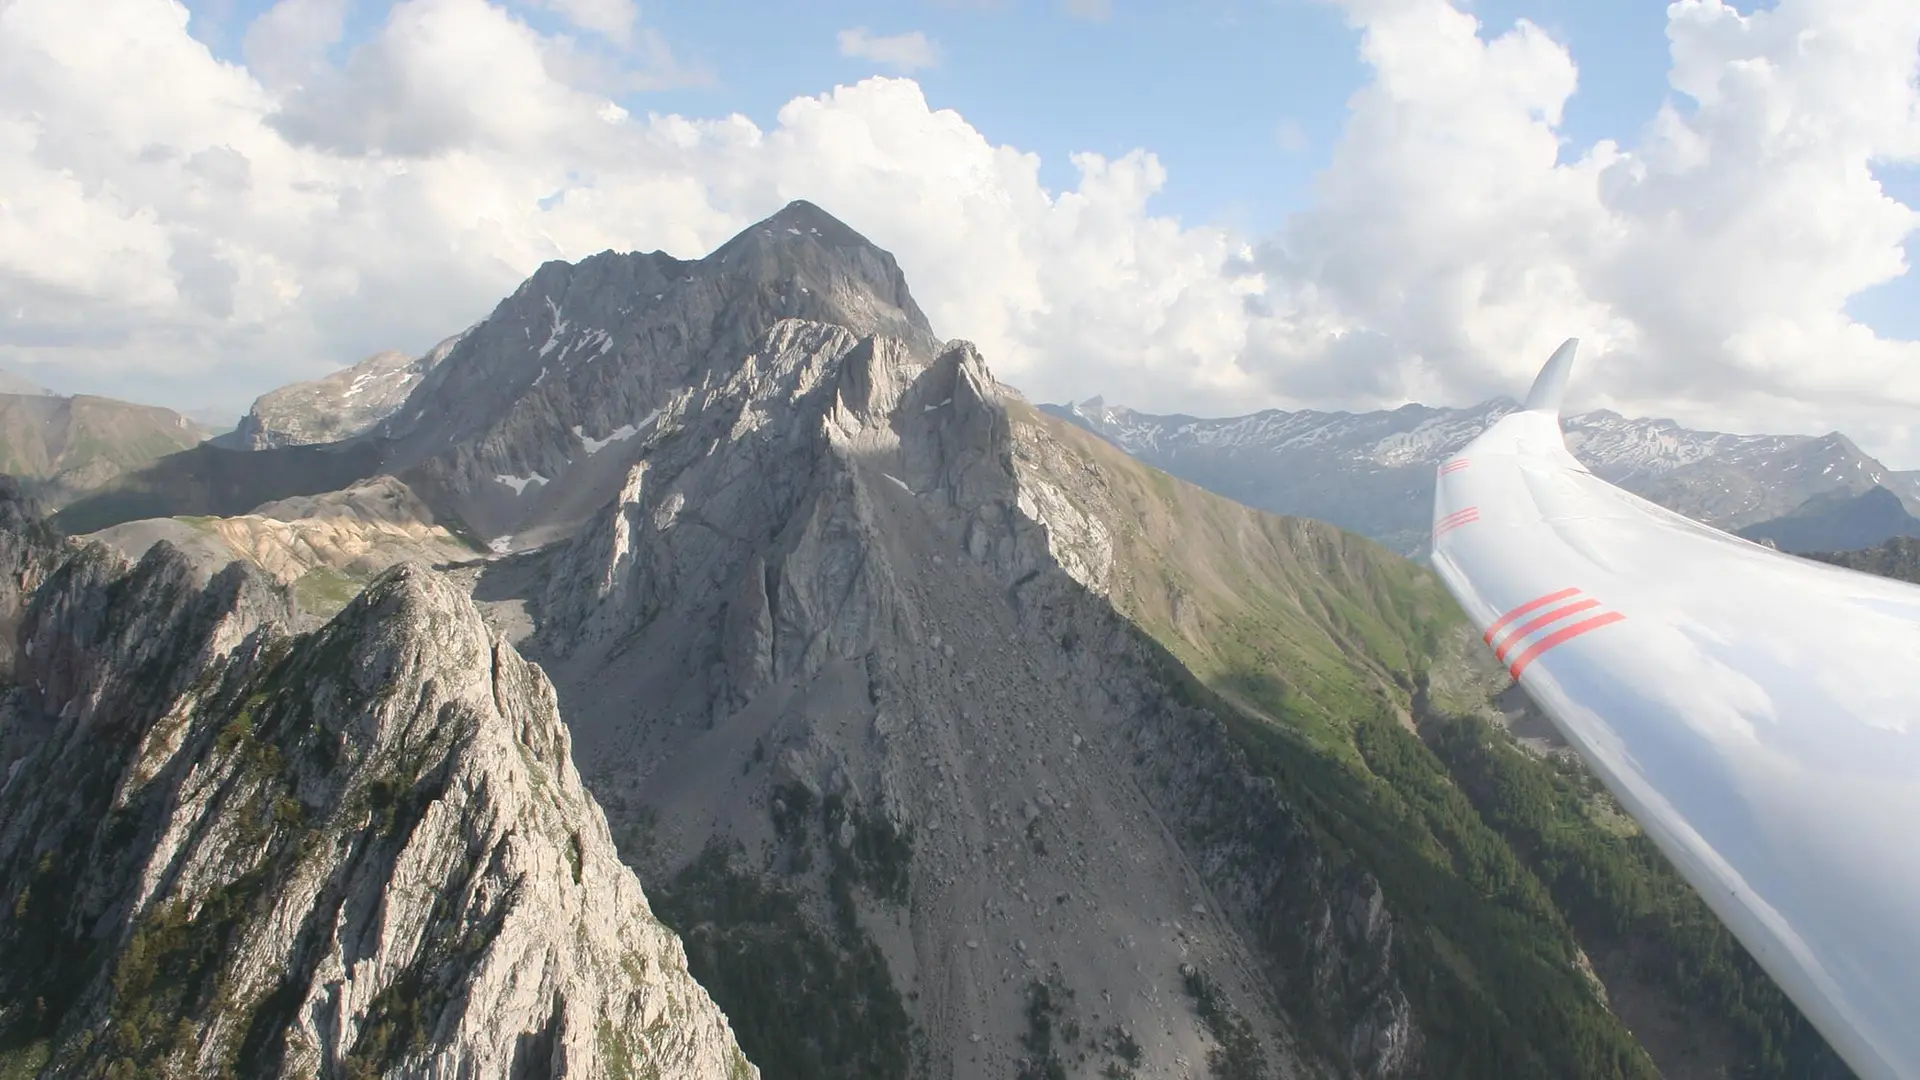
x=65, y=447
x=1372, y=472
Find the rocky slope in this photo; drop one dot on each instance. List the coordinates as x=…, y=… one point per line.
x=341, y=405
x=325, y=547
x=858, y=656
x=363, y=851
x=530, y=425
x=1838, y=521
x=66, y=446
x=29, y=551
x=1372, y=472
x=818, y=631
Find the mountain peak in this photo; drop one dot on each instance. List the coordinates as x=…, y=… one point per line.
x=801, y=217
x=801, y=225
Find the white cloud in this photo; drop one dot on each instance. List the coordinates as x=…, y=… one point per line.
x=910, y=51
x=613, y=19
x=1455, y=236
x=175, y=226
x=287, y=45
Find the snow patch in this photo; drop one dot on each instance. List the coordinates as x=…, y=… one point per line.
x=501, y=545
x=619, y=434
x=897, y=480
x=519, y=483
x=559, y=327
x=930, y=408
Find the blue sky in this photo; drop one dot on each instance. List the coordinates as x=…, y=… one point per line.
x=1726, y=267
x=1271, y=79
x=1028, y=73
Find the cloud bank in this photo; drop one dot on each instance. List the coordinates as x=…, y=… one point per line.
x=177, y=227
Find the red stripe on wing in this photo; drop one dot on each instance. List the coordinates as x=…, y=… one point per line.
x=1520, y=632
x=1561, y=637
x=1530, y=606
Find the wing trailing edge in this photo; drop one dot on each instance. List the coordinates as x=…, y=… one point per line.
x=1756, y=713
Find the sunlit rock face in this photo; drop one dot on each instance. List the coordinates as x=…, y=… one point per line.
x=364, y=850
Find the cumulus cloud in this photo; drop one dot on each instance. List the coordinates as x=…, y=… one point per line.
x=1455, y=236
x=287, y=45
x=910, y=51
x=177, y=227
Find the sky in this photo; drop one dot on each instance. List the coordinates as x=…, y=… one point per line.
x=1211, y=206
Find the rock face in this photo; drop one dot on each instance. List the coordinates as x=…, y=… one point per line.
x=529, y=426
x=29, y=550
x=361, y=851
x=1373, y=472
x=339, y=406
x=846, y=626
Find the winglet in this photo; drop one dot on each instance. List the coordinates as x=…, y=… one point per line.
x=1551, y=384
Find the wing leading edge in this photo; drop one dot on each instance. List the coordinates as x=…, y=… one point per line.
x=1756, y=713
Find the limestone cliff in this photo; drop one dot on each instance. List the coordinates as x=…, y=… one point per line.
x=363, y=851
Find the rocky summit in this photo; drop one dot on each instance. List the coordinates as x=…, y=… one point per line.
x=339, y=406
x=949, y=739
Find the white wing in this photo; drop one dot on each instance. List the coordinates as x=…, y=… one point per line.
x=1758, y=714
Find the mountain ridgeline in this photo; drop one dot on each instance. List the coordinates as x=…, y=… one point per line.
x=950, y=741
x=1373, y=472
x=229, y=850
x=339, y=406
x=67, y=447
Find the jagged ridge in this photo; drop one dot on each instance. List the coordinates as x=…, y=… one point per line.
x=854, y=619
x=361, y=851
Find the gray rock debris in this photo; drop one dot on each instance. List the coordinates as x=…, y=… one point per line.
x=840, y=565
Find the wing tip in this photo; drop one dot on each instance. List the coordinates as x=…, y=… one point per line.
x=1550, y=386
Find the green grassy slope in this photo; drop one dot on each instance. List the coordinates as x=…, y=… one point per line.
x=1331, y=653
x=68, y=446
